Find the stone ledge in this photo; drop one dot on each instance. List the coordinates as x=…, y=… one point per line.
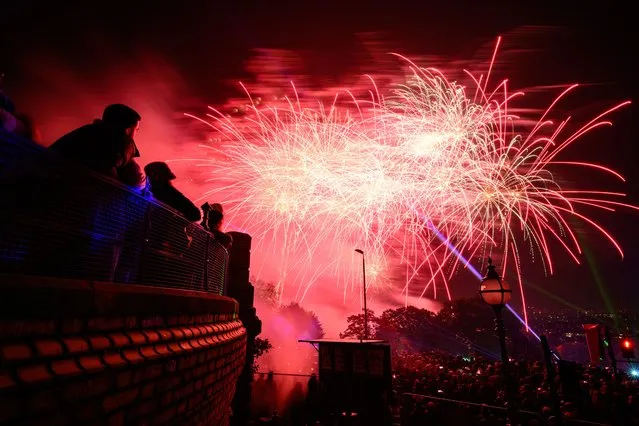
x=25, y=297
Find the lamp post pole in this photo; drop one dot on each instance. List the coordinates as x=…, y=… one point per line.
x=497, y=293
x=501, y=334
x=505, y=363
x=364, y=291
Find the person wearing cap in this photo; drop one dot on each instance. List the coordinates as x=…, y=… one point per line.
x=159, y=177
x=107, y=145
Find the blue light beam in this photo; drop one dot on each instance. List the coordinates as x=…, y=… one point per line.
x=472, y=269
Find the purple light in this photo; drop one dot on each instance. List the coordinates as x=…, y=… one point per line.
x=453, y=249
x=521, y=320
x=472, y=269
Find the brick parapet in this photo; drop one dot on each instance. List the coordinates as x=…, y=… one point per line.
x=176, y=363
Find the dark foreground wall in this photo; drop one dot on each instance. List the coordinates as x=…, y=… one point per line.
x=76, y=352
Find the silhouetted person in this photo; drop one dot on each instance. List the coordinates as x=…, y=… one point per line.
x=28, y=128
x=296, y=405
x=132, y=175
x=215, y=219
x=107, y=145
x=206, y=208
x=312, y=403
x=8, y=121
x=159, y=177
x=16, y=123
x=270, y=394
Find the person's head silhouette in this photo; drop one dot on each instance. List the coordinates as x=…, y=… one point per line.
x=158, y=171
x=123, y=118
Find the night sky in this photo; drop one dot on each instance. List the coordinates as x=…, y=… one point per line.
x=208, y=42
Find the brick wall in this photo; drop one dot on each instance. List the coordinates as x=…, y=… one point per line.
x=74, y=352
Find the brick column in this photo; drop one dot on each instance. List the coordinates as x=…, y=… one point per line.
x=242, y=290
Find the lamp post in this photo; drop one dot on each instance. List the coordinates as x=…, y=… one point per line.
x=364, y=284
x=496, y=292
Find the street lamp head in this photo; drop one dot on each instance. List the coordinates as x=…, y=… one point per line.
x=360, y=251
x=495, y=291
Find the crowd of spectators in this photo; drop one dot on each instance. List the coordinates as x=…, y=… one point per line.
x=107, y=146
x=586, y=393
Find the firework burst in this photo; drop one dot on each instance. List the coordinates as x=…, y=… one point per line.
x=310, y=182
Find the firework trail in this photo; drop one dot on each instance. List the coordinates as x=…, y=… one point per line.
x=311, y=181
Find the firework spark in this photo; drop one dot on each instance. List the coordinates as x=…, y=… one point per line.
x=311, y=181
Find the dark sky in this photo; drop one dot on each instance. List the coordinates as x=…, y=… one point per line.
x=212, y=39
x=209, y=41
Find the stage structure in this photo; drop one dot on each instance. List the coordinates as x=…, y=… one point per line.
x=354, y=375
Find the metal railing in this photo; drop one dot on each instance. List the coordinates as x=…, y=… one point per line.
x=58, y=219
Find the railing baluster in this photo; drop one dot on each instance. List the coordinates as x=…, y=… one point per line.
x=144, y=243
x=206, y=265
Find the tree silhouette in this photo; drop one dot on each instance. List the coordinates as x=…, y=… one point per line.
x=355, y=329
x=461, y=326
x=260, y=347
x=266, y=292
x=407, y=328
x=305, y=323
